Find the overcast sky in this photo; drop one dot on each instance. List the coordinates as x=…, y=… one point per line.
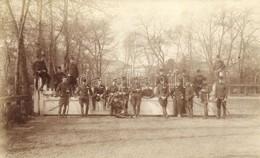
x=170, y=12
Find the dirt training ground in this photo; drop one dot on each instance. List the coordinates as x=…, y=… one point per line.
x=150, y=137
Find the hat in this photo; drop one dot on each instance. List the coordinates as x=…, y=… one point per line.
x=198, y=71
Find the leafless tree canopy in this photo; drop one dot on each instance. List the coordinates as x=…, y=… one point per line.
x=85, y=30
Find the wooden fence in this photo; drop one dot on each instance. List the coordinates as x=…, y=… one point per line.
x=243, y=89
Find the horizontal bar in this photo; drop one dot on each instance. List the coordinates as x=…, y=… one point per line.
x=14, y=98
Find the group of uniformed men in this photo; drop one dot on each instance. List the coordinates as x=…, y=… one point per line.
x=116, y=97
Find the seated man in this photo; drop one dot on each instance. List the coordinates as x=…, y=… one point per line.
x=99, y=92
x=198, y=82
x=111, y=91
x=117, y=105
x=218, y=67
x=58, y=77
x=40, y=70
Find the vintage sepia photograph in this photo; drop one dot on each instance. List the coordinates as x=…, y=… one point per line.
x=129, y=78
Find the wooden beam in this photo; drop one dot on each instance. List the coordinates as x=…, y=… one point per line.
x=14, y=98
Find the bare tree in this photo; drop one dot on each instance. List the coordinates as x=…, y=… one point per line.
x=99, y=43
x=156, y=39
x=21, y=56
x=247, y=29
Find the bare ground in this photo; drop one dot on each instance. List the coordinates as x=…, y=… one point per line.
x=148, y=137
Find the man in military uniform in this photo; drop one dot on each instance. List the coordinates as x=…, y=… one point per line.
x=58, y=77
x=182, y=78
x=40, y=70
x=99, y=92
x=189, y=93
x=84, y=91
x=111, y=91
x=64, y=93
x=197, y=82
x=177, y=92
x=221, y=96
x=73, y=74
x=135, y=91
x=124, y=90
x=162, y=76
x=218, y=67
x=205, y=96
x=163, y=92
x=117, y=104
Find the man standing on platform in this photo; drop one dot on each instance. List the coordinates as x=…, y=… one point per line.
x=221, y=96
x=73, y=74
x=84, y=92
x=135, y=91
x=64, y=93
x=99, y=92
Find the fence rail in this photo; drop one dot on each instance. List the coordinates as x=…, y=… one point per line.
x=243, y=89
x=9, y=99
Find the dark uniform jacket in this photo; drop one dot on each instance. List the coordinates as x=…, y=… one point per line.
x=73, y=70
x=58, y=77
x=162, y=90
x=189, y=92
x=101, y=89
x=63, y=90
x=221, y=90
x=136, y=89
x=178, y=92
x=39, y=65
x=205, y=92
x=182, y=79
x=124, y=88
x=112, y=89
x=84, y=92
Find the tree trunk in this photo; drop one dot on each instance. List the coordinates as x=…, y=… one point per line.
x=66, y=57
